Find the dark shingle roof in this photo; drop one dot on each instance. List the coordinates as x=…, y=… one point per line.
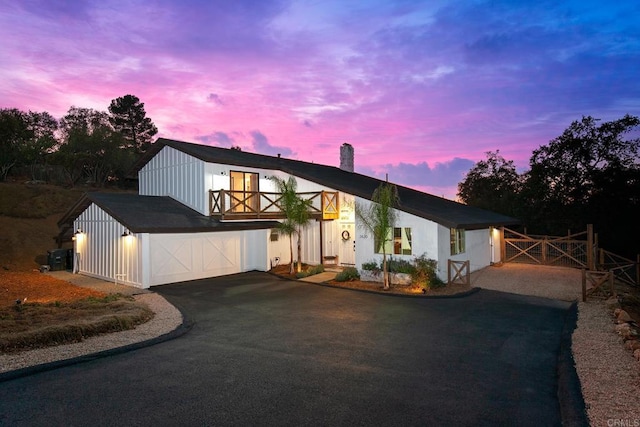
x=153, y=214
x=442, y=211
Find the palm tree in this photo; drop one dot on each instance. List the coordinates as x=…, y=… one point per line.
x=297, y=214
x=379, y=217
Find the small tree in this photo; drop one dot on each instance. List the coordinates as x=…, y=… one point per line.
x=297, y=214
x=379, y=218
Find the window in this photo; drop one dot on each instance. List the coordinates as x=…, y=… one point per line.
x=457, y=241
x=244, y=191
x=398, y=242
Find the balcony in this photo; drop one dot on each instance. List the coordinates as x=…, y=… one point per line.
x=243, y=205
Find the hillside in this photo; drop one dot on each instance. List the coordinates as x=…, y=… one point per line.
x=28, y=217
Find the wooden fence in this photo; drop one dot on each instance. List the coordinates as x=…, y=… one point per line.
x=579, y=250
x=573, y=250
x=601, y=284
x=458, y=272
x=624, y=269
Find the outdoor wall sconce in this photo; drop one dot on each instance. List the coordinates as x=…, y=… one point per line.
x=126, y=233
x=78, y=231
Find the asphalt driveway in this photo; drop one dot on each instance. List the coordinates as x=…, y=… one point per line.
x=267, y=351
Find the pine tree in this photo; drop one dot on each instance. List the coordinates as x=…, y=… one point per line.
x=129, y=118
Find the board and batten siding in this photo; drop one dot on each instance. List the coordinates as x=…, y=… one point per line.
x=177, y=175
x=144, y=260
x=101, y=251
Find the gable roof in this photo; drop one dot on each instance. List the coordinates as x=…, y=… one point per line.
x=440, y=210
x=152, y=214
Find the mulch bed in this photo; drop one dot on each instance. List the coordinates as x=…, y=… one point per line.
x=39, y=288
x=453, y=289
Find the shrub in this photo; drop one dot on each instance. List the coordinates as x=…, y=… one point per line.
x=348, y=274
x=371, y=266
x=316, y=269
x=424, y=273
x=399, y=266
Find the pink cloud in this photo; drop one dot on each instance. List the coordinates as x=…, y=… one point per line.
x=407, y=85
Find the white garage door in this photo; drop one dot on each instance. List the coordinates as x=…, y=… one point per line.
x=180, y=257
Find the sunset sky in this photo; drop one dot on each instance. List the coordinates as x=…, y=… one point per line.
x=421, y=89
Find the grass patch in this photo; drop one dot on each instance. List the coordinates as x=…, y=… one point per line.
x=32, y=325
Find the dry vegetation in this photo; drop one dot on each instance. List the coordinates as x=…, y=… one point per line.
x=28, y=217
x=37, y=310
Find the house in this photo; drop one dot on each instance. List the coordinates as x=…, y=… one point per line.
x=204, y=211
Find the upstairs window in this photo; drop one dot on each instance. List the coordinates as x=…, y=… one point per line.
x=244, y=192
x=398, y=242
x=457, y=241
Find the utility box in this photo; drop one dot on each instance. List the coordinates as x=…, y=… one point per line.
x=58, y=259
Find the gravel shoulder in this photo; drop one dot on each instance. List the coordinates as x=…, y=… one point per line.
x=167, y=318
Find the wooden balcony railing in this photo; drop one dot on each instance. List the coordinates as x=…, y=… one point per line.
x=226, y=204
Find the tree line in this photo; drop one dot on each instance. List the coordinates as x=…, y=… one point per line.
x=84, y=146
x=588, y=175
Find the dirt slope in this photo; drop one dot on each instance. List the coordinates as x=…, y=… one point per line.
x=28, y=217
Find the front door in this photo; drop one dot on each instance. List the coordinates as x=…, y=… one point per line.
x=347, y=244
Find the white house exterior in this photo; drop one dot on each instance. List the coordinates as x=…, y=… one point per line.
x=205, y=211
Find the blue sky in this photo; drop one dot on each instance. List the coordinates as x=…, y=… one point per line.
x=421, y=89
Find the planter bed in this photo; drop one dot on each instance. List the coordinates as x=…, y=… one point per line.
x=400, y=279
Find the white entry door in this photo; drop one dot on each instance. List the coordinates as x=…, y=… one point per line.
x=347, y=245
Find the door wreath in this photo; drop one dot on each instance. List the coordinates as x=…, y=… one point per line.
x=345, y=235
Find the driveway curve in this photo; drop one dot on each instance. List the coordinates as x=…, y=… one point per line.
x=268, y=351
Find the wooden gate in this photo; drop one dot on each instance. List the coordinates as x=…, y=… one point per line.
x=574, y=250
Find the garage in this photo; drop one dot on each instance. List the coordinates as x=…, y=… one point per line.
x=145, y=241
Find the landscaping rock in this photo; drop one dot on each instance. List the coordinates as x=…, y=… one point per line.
x=394, y=278
x=636, y=354
x=622, y=327
x=629, y=334
x=622, y=316
x=632, y=345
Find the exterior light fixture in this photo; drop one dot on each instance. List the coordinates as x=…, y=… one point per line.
x=77, y=234
x=126, y=233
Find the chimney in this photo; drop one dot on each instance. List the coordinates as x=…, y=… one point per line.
x=346, y=157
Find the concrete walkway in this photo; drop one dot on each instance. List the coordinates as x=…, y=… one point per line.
x=320, y=278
